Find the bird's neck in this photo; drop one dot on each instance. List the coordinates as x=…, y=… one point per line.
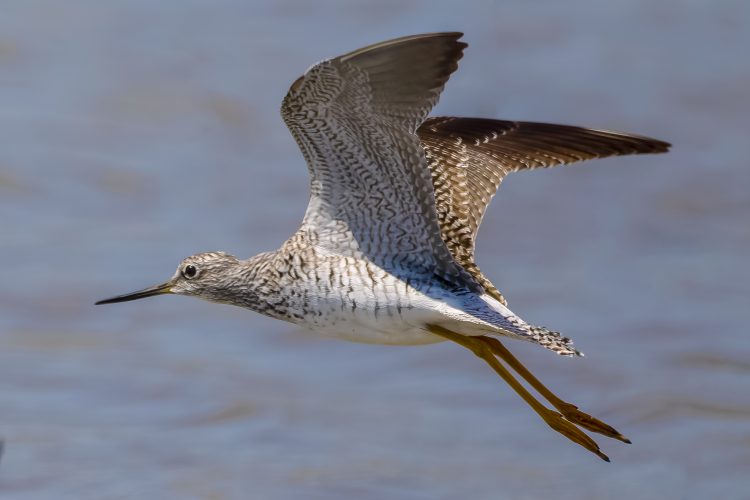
x=255, y=285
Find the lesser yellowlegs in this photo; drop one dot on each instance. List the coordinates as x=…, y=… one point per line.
x=385, y=253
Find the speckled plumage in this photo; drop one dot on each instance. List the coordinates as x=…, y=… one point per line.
x=385, y=252
x=469, y=158
x=387, y=242
x=396, y=199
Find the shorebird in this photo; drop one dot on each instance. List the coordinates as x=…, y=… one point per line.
x=385, y=252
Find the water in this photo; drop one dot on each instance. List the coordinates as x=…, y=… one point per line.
x=135, y=133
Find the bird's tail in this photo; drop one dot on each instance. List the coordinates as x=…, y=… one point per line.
x=552, y=340
x=510, y=324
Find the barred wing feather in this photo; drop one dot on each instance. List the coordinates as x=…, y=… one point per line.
x=469, y=157
x=355, y=118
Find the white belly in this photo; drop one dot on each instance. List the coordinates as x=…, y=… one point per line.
x=368, y=304
x=372, y=323
x=402, y=322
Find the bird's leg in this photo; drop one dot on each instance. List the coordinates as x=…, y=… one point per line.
x=551, y=417
x=568, y=410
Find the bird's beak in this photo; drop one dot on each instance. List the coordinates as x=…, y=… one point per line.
x=147, y=292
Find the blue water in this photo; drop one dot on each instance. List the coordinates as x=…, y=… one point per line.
x=135, y=133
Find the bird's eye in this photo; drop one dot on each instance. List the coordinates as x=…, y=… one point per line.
x=190, y=271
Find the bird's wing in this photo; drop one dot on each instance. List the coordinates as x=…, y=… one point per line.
x=355, y=118
x=469, y=157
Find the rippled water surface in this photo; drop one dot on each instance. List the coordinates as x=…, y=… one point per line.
x=134, y=133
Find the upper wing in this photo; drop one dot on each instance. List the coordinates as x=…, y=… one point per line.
x=355, y=118
x=469, y=157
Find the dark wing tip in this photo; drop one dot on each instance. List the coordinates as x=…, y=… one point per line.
x=451, y=36
x=660, y=146
x=403, y=76
x=641, y=143
x=431, y=55
x=413, y=60
x=562, y=143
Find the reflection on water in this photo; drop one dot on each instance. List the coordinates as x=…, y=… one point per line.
x=133, y=134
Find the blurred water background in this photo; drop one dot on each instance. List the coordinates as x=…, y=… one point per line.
x=135, y=133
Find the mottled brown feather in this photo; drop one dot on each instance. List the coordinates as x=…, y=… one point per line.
x=469, y=157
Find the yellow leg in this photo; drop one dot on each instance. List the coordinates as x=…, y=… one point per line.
x=568, y=410
x=552, y=418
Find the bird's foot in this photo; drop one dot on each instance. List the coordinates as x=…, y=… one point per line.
x=583, y=419
x=570, y=431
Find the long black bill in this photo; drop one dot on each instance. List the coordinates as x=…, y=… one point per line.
x=148, y=292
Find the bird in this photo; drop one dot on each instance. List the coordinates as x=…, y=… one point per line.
x=385, y=253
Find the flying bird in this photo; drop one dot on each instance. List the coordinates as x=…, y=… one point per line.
x=385, y=252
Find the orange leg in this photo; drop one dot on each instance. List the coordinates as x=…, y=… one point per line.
x=551, y=417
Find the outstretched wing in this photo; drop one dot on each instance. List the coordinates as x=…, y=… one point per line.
x=355, y=118
x=469, y=157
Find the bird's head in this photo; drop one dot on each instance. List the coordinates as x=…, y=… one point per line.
x=203, y=275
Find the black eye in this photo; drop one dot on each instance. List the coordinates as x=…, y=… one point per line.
x=190, y=271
